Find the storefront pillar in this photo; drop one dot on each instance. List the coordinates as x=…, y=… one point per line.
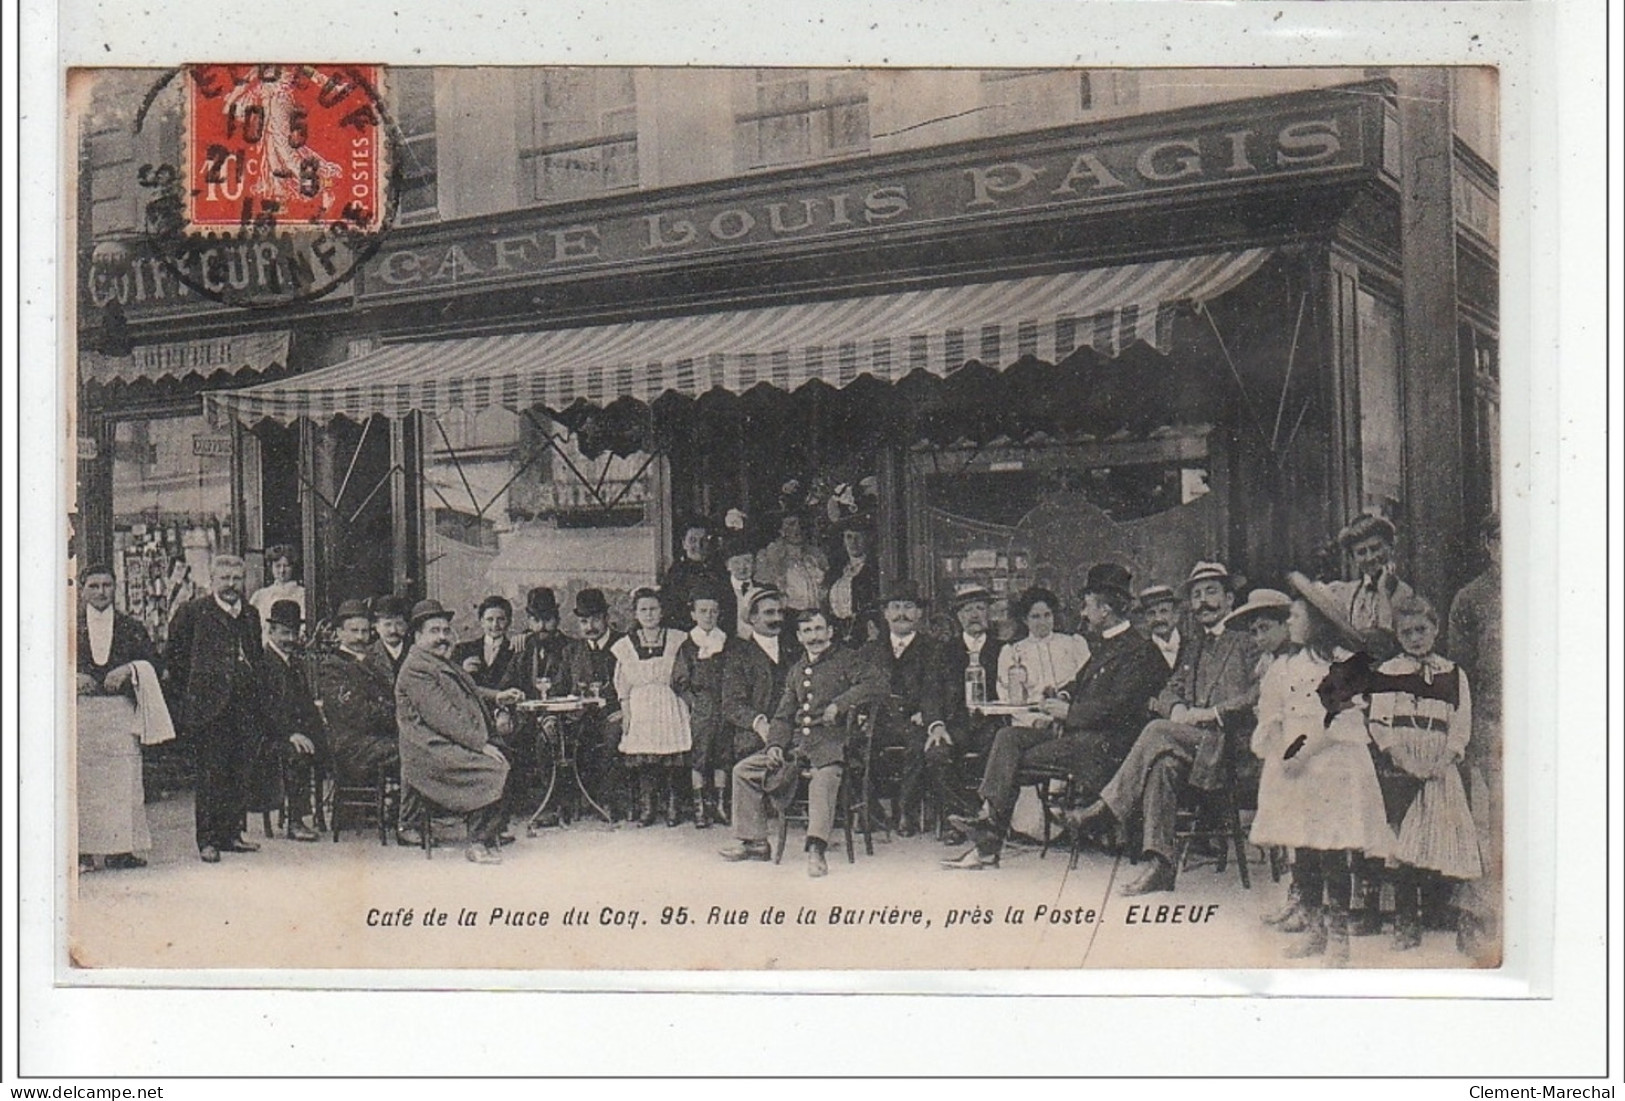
x=1432, y=390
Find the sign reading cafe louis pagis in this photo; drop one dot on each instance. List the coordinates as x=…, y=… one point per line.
x=1059, y=171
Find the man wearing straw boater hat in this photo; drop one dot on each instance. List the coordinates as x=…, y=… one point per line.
x=969, y=659
x=1211, y=696
x=1159, y=604
x=1367, y=602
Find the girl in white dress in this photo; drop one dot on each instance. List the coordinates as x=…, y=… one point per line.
x=655, y=735
x=1323, y=800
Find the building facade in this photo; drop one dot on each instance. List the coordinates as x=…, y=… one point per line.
x=1016, y=321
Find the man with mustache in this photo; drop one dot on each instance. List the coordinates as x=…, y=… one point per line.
x=445, y=727
x=209, y=659
x=914, y=710
x=1210, y=697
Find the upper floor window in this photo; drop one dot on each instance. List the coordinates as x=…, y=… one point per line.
x=1029, y=99
x=582, y=136
x=790, y=116
x=412, y=91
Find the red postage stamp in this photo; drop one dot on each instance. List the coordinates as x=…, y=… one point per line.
x=276, y=147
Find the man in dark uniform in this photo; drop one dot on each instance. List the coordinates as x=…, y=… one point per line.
x=809, y=725
x=213, y=646
x=1092, y=720
x=914, y=708
x=294, y=738
x=591, y=664
x=963, y=732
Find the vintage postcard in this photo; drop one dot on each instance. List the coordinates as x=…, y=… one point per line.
x=763, y=519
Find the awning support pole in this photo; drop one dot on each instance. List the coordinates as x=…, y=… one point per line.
x=1246, y=399
x=456, y=461
x=367, y=500
x=1286, y=383
x=551, y=442
x=354, y=458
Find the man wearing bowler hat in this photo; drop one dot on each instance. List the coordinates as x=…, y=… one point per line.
x=543, y=655
x=1086, y=727
x=1210, y=698
x=913, y=710
x=295, y=736
x=209, y=660
x=591, y=662
x=446, y=728
x=391, y=617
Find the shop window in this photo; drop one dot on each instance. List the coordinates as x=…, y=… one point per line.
x=795, y=116
x=1010, y=518
x=1029, y=99
x=512, y=502
x=412, y=93
x=171, y=513
x=1381, y=408
x=582, y=133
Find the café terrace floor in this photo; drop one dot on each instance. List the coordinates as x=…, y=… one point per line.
x=344, y=905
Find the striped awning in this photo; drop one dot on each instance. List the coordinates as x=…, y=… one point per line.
x=887, y=336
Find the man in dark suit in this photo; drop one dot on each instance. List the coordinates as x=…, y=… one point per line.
x=389, y=616
x=591, y=664
x=1210, y=699
x=210, y=658
x=1092, y=720
x=694, y=570
x=294, y=737
x=913, y=709
x=358, y=701
x=487, y=658
x=753, y=678
x=544, y=653
x=974, y=647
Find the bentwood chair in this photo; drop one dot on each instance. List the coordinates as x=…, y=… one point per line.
x=1212, y=818
x=372, y=800
x=854, y=799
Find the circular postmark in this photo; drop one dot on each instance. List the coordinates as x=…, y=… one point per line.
x=285, y=182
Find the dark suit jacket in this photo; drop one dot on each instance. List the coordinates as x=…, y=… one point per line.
x=955, y=657
x=130, y=643
x=540, y=657
x=198, y=658
x=358, y=701
x=913, y=682
x=490, y=675
x=286, y=708
x=753, y=685
x=1108, y=700
x=587, y=665
x=1220, y=673
x=379, y=659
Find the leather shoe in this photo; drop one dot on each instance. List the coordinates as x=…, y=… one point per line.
x=1088, y=819
x=747, y=850
x=209, y=854
x=301, y=832
x=1158, y=877
x=506, y=839
x=972, y=827
x=972, y=861
x=240, y=846
x=126, y=860
x=817, y=866
x=483, y=854
x=409, y=837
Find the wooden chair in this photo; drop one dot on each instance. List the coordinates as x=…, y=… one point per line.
x=1042, y=779
x=1214, y=816
x=854, y=798
x=375, y=798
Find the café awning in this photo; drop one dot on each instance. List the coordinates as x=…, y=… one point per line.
x=887, y=336
x=233, y=354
